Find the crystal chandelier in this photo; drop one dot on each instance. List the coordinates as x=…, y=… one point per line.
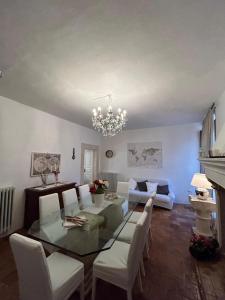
x=107, y=122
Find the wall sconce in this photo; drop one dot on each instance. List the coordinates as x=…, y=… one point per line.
x=73, y=156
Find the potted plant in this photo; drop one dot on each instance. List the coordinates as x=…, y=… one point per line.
x=97, y=190
x=202, y=247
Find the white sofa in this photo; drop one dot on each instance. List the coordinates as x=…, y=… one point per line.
x=165, y=201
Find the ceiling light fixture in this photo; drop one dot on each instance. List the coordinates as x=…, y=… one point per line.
x=109, y=123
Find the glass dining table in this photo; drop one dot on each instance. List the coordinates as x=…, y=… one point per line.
x=99, y=231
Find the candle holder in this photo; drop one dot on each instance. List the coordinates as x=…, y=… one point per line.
x=56, y=174
x=44, y=179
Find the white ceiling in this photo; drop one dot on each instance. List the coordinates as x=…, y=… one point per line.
x=162, y=60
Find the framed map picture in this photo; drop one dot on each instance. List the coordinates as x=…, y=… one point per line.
x=144, y=154
x=44, y=163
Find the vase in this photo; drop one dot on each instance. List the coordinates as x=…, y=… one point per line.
x=56, y=174
x=98, y=199
x=44, y=179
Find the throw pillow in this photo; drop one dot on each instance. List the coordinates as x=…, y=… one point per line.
x=152, y=187
x=162, y=189
x=132, y=184
x=142, y=186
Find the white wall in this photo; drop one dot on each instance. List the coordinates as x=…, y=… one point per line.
x=23, y=130
x=180, y=155
x=220, y=123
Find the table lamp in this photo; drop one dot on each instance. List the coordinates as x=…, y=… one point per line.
x=202, y=185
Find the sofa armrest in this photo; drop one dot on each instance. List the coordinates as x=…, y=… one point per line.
x=172, y=196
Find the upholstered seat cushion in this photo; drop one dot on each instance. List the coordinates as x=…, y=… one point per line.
x=135, y=217
x=113, y=262
x=138, y=196
x=127, y=233
x=64, y=272
x=163, y=198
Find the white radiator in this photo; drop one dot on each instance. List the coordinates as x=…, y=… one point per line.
x=6, y=208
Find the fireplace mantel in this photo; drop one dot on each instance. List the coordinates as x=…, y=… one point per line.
x=214, y=170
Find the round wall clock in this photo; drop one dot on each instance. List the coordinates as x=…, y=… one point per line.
x=109, y=153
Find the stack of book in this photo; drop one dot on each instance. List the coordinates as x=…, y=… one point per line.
x=76, y=221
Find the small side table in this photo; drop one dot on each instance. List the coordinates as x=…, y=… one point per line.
x=203, y=209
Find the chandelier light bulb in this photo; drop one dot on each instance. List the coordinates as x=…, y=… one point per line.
x=107, y=122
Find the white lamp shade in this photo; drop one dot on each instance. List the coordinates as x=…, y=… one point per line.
x=200, y=181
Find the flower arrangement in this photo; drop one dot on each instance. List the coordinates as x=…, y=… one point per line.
x=99, y=186
x=202, y=247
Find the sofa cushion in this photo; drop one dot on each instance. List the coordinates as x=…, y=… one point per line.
x=163, y=189
x=142, y=187
x=132, y=184
x=151, y=187
x=138, y=196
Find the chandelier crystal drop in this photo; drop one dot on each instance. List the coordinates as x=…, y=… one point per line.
x=107, y=122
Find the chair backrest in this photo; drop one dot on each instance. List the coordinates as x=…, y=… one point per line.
x=32, y=268
x=122, y=189
x=48, y=204
x=85, y=196
x=148, y=209
x=137, y=247
x=70, y=202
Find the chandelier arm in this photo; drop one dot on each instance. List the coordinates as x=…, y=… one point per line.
x=108, y=123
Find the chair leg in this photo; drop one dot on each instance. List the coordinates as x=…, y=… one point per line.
x=129, y=294
x=142, y=267
x=82, y=291
x=140, y=281
x=93, y=288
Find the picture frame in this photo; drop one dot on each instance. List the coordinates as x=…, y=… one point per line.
x=44, y=163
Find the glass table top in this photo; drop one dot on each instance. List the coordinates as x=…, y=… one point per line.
x=98, y=231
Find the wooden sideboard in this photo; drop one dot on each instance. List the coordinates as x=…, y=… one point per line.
x=32, y=199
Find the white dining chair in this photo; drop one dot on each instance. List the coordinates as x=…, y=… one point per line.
x=137, y=214
x=48, y=204
x=134, y=219
x=127, y=233
x=123, y=191
x=53, y=278
x=85, y=196
x=50, y=219
x=120, y=265
x=70, y=202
